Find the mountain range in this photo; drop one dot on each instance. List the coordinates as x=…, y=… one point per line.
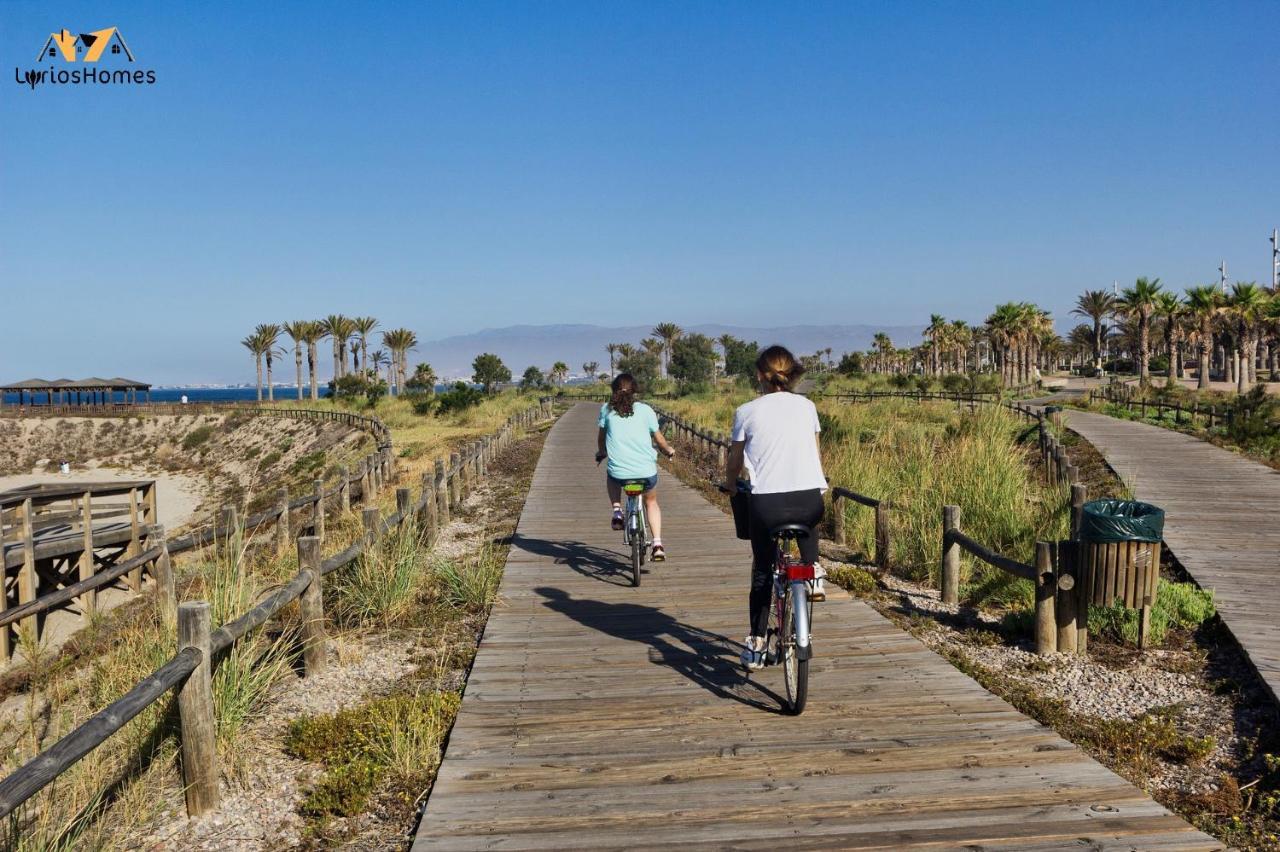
x=520, y=346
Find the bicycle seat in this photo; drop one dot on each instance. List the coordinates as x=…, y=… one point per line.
x=790, y=531
x=635, y=486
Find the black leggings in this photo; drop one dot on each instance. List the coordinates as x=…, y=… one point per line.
x=766, y=511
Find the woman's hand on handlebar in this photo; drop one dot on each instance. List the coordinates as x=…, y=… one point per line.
x=601, y=457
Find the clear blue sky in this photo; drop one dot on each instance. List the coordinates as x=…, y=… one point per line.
x=452, y=166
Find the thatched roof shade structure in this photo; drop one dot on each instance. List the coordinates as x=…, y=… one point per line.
x=93, y=391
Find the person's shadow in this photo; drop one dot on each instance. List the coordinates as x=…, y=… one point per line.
x=596, y=562
x=708, y=659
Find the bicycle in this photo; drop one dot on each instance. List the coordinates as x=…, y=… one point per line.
x=635, y=526
x=787, y=639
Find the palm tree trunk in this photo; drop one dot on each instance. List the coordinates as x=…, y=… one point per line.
x=337, y=362
x=258, y=360
x=270, y=384
x=312, y=355
x=297, y=363
x=1206, y=347
x=1097, y=345
x=1144, y=350
x=1172, y=349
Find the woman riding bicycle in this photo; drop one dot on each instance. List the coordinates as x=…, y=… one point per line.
x=628, y=432
x=775, y=439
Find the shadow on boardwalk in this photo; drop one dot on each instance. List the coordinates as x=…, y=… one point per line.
x=595, y=562
x=705, y=658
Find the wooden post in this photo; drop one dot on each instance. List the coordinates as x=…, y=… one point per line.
x=404, y=504
x=455, y=480
x=317, y=511
x=312, y=605
x=427, y=516
x=166, y=587
x=366, y=483
x=1046, y=590
x=195, y=713
x=837, y=520
x=950, y=556
x=882, y=535
x=370, y=519
x=1065, y=605
x=1078, y=494
x=88, y=602
x=1144, y=623
x=135, y=541
x=442, y=495
x=27, y=577
x=151, y=515
x=226, y=530
x=344, y=490
x=282, y=521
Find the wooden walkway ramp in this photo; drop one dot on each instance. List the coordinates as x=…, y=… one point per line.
x=1222, y=521
x=601, y=716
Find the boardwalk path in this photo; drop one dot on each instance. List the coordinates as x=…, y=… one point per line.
x=1222, y=521
x=601, y=716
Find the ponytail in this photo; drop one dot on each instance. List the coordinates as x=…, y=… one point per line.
x=624, y=394
x=779, y=370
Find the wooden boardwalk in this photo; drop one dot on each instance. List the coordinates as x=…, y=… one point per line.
x=1222, y=521
x=601, y=716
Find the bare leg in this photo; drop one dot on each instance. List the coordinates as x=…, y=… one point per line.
x=652, y=510
x=615, y=492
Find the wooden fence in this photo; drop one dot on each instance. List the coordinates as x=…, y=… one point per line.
x=1208, y=416
x=189, y=671
x=145, y=547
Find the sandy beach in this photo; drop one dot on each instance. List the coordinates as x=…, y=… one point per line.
x=178, y=495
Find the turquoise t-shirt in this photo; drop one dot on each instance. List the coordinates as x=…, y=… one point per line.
x=629, y=441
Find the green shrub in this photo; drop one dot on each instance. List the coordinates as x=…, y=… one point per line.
x=470, y=585
x=309, y=465
x=1176, y=605
x=460, y=397
x=956, y=383
x=381, y=587
x=197, y=436
x=269, y=459
x=854, y=580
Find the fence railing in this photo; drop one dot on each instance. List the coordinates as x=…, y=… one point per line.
x=189, y=671
x=1208, y=415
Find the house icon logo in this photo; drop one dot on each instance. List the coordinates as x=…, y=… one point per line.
x=85, y=47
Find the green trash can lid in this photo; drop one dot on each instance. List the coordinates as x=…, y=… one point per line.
x=1107, y=521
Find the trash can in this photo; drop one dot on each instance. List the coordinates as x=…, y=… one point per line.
x=1053, y=413
x=1120, y=551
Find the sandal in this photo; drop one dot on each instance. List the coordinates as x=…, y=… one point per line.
x=659, y=553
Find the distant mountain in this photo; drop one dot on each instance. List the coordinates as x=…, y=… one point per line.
x=542, y=345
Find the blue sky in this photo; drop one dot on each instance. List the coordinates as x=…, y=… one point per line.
x=454, y=166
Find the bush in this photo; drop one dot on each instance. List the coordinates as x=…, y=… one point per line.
x=269, y=459
x=851, y=364
x=956, y=383
x=349, y=387
x=901, y=381
x=854, y=580
x=197, y=436
x=1176, y=605
x=310, y=464
x=421, y=403
x=693, y=362
x=460, y=397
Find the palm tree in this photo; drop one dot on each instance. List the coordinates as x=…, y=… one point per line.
x=338, y=328
x=1139, y=302
x=400, y=341
x=612, y=349
x=298, y=330
x=668, y=333
x=269, y=333
x=1204, y=304
x=1171, y=309
x=590, y=367
x=960, y=337
x=934, y=332
x=377, y=359
x=559, y=372
x=257, y=348
x=1097, y=305
x=1272, y=316
x=363, y=327
x=1246, y=306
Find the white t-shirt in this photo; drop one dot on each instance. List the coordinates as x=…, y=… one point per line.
x=780, y=431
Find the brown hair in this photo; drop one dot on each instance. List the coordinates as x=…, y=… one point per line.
x=624, y=394
x=778, y=368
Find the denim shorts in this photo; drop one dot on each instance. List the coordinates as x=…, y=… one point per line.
x=649, y=484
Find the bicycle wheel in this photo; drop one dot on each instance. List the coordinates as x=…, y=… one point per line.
x=795, y=671
x=636, y=524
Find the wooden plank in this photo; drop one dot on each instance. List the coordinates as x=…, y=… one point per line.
x=601, y=716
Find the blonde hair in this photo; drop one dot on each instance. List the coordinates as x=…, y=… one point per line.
x=778, y=368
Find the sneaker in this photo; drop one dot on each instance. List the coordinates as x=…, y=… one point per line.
x=753, y=658
x=616, y=523
x=819, y=592
x=659, y=553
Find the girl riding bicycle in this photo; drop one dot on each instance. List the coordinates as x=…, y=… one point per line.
x=775, y=440
x=628, y=433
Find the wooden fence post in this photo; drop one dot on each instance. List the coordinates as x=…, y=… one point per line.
x=195, y=713
x=166, y=587
x=427, y=517
x=442, y=495
x=455, y=480
x=1078, y=494
x=88, y=602
x=1144, y=623
x=344, y=490
x=134, y=579
x=404, y=504
x=1065, y=605
x=282, y=520
x=27, y=575
x=227, y=523
x=366, y=483
x=370, y=519
x=317, y=511
x=312, y=605
x=1046, y=590
x=950, y=556
x=882, y=535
